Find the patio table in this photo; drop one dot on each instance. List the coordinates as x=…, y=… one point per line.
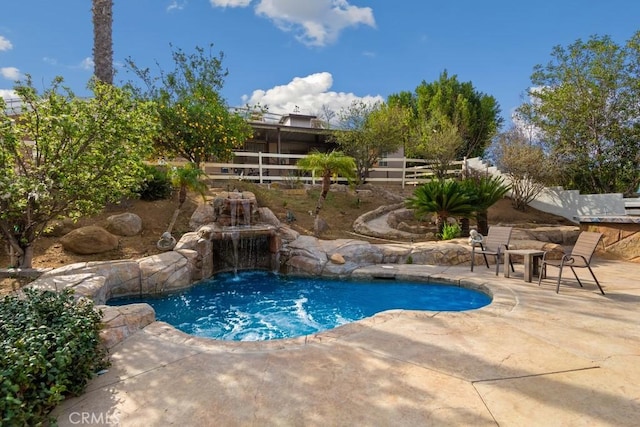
x=531, y=257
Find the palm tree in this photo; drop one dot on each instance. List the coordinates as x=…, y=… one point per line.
x=484, y=193
x=102, y=11
x=445, y=198
x=187, y=178
x=327, y=165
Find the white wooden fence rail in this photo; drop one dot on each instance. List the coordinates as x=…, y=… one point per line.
x=268, y=167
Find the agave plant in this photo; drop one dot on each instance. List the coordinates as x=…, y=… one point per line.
x=444, y=198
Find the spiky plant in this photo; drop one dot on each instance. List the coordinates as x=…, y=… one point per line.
x=444, y=198
x=484, y=192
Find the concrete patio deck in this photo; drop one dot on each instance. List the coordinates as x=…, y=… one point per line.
x=531, y=358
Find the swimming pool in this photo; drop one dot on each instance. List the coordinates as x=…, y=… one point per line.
x=257, y=305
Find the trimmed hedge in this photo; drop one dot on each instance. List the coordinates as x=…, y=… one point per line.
x=49, y=348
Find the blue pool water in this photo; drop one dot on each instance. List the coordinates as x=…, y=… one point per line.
x=258, y=305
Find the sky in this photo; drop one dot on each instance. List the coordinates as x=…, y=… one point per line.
x=303, y=55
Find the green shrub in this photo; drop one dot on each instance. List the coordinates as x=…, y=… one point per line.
x=450, y=231
x=49, y=348
x=157, y=184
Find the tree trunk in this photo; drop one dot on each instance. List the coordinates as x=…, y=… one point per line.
x=182, y=196
x=440, y=221
x=27, y=257
x=326, y=184
x=102, y=11
x=483, y=222
x=464, y=227
x=18, y=257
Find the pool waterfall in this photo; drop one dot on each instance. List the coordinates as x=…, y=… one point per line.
x=240, y=241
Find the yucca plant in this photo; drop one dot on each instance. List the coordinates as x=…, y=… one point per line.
x=444, y=198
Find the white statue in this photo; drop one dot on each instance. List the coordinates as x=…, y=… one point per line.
x=475, y=238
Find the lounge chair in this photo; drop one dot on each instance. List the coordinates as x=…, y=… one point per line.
x=496, y=242
x=580, y=257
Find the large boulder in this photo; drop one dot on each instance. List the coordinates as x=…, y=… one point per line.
x=124, y=224
x=268, y=217
x=89, y=240
x=123, y=321
x=165, y=272
x=204, y=214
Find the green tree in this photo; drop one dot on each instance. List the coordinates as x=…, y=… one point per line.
x=484, y=191
x=369, y=132
x=67, y=157
x=441, y=197
x=102, y=12
x=195, y=121
x=438, y=140
x=586, y=102
x=327, y=165
x=525, y=164
x=187, y=178
x=476, y=115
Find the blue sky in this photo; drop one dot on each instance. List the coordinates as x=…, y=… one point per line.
x=310, y=53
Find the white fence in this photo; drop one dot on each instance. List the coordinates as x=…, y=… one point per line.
x=269, y=167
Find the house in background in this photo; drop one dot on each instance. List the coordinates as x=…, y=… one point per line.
x=290, y=134
x=278, y=141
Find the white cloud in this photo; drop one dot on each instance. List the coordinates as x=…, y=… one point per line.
x=50, y=61
x=314, y=22
x=176, y=5
x=307, y=95
x=230, y=3
x=530, y=131
x=5, y=44
x=8, y=94
x=87, y=63
x=10, y=73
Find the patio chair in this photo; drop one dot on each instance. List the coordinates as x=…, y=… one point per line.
x=580, y=257
x=496, y=242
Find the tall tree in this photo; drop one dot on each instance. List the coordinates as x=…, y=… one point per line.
x=438, y=140
x=102, y=12
x=327, y=165
x=586, y=103
x=369, y=132
x=525, y=164
x=195, y=121
x=476, y=115
x=67, y=157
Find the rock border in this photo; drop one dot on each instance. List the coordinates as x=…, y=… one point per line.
x=190, y=261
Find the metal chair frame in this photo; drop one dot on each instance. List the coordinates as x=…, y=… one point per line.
x=580, y=257
x=496, y=242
